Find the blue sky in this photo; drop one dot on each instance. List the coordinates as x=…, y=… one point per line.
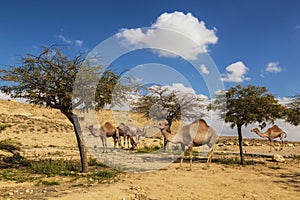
x=251, y=33
x=244, y=42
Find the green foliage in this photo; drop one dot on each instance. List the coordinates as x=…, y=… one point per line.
x=19, y=176
x=241, y=106
x=53, y=79
x=100, y=176
x=293, y=112
x=95, y=163
x=246, y=105
x=50, y=183
x=51, y=167
x=148, y=149
x=162, y=103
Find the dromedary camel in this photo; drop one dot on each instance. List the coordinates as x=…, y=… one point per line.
x=197, y=133
x=127, y=135
x=105, y=131
x=271, y=134
x=138, y=132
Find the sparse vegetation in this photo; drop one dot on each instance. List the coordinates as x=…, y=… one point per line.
x=236, y=161
x=148, y=149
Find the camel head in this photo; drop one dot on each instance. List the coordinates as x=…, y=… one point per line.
x=254, y=130
x=161, y=125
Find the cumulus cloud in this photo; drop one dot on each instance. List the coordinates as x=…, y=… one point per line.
x=204, y=69
x=273, y=67
x=172, y=34
x=236, y=73
x=182, y=90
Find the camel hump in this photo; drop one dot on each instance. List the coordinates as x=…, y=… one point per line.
x=201, y=122
x=108, y=126
x=276, y=128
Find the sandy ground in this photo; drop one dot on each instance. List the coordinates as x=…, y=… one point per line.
x=43, y=132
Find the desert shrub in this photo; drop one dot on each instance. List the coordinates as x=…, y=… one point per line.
x=148, y=149
x=102, y=175
x=235, y=161
x=51, y=167
x=19, y=176
x=95, y=162
x=49, y=183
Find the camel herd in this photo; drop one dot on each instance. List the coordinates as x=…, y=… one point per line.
x=198, y=133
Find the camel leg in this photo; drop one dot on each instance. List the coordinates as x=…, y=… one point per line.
x=182, y=155
x=118, y=138
x=105, y=142
x=272, y=145
x=281, y=142
x=103, y=145
x=165, y=144
x=191, y=156
x=210, y=155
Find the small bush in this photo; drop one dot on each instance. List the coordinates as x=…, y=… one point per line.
x=50, y=183
x=148, y=149
x=102, y=175
x=19, y=176
x=94, y=162
x=51, y=167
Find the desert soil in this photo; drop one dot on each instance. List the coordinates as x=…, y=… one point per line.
x=46, y=133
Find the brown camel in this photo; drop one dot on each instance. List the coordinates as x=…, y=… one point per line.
x=271, y=134
x=197, y=133
x=105, y=131
x=127, y=135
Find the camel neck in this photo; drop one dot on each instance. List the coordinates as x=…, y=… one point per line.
x=167, y=135
x=260, y=133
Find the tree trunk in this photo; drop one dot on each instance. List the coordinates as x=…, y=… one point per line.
x=79, y=137
x=169, y=130
x=239, y=127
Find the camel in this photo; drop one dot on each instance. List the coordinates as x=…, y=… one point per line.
x=138, y=133
x=105, y=131
x=127, y=134
x=198, y=133
x=271, y=134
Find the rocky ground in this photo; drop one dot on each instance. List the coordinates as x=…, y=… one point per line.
x=45, y=133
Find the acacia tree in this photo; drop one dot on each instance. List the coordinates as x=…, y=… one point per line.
x=48, y=79
x=241, y=106
x=163, y=103
x=293, y=112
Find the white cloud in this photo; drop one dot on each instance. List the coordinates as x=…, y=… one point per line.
x=273, y=67
x=78, y=43
x=69, y=41
x=297, y=27
x=65, y=39
x=204, y=69
x=171, y=34
x=236, y=73
x=182, y=90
